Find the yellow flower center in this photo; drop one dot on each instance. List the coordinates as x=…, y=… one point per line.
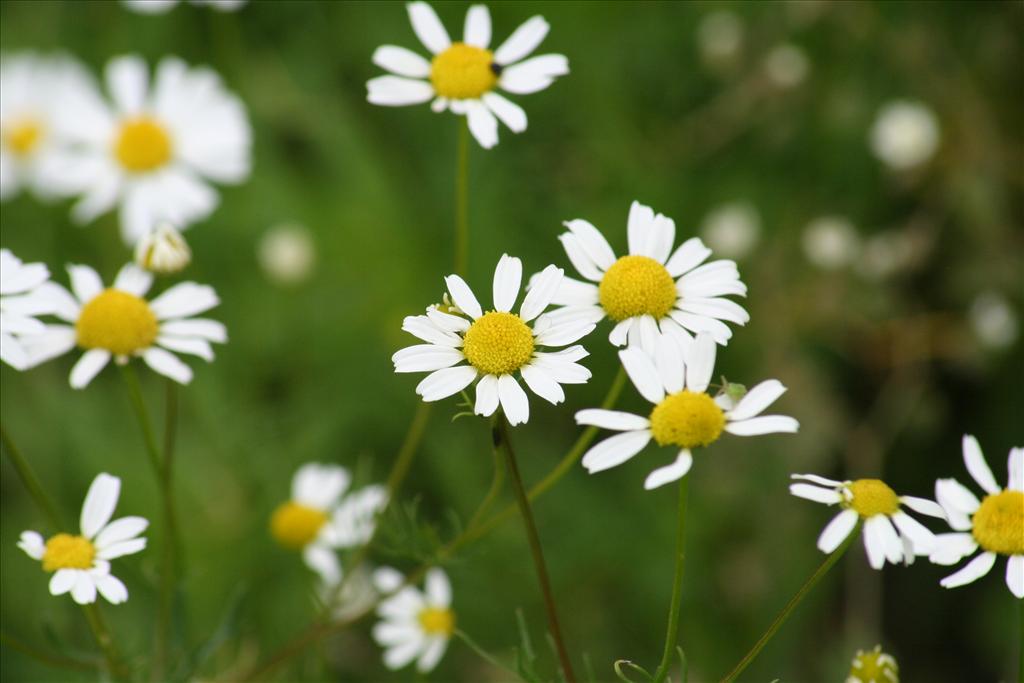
x=873, y=497
x=65, y=551
x=23, y=136
x=463, y=72
x=437, y=621
x=874, y=667
x=117, y=321
x=687, y=420
x=142, y=145
x=636, y=285
x=294, y=525
x=998, y=525
x=498, y=343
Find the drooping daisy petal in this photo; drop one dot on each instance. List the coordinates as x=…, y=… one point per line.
x=510, y=113
x=542, y=384
x=922, y=538
x=432, y=654
x=88, y=366
x=111, y=588
x=486, y=396
x=1015, y=575
x=664, y=475
x=837, y=530
x=514, y=402
x=63, y=580
x=482, y=123
x=1015, y=470
x=443, y=383
x=615, y=450
x=167, y=364
x=972, y=571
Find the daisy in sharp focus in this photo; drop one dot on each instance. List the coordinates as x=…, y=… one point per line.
x=995, y=523
x=155, y=149
x=81, y=564
x=463, y=77
x=118, y=323
x=321, y=518
x=414, y=624
x=653, y=291
x=496, y=344
x=873, y=501
x=684, y=416
x=31, y=89
x=21, y=300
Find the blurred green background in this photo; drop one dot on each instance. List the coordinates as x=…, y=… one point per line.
x=887, y=365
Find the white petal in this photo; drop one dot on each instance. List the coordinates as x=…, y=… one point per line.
x=463, y=296
x=700, y=363
x=816, y=493
x=33, y=544
x=323, y=561
x=84, y=590
x=397, y=91
x=403, y=653
x=958, y=502
x=514, y=401
x=757, y=399
x=699, y=323
x=111, y=588
x=542, y=290
x=1015, y=575
x=486, y=396
x=924, y=506
x=508, y=276
x=892, y=545
x=717, y=308
x=391, y=633
x=836, y=531
x=88, y=366
x=428, y=27
x=612, y=419
x=766, y=424
x=662, y=236
x=522, y=42
x=355, y=519
x=195, y=347
x=438, y=588
x=615, y=450
x=561, y=365
x=644, y=333
x=387, y=579
x=922, y=539
x=510, y=113
x=542, y=384
x=592, y=242
x=668, y=359
x=977, y=466
x=949, y=549
x=823, y=481
x=401, y=61
x=99, y=504
x=573, y=292
x=477, y=31
x=183, y=300
x=432, y=653
x=319, y=486
x=447, y=321
x=426, y=329
x=121, y=529
x=133, y=280
x=63, y=580
x=56, y=341
x=561, y=334
x=85, y=282
x=120, y=548
x=620, y=333
x=639, y=227
x=874, y=541
x=972, y=571
x=426, y=358
x=643, y=374
x=167, y=364
x=670, y=473
x=1015, y=470
x=534, y=74
x=688, y=256
x=482, y=123
x=128, y=80
x=444, y=383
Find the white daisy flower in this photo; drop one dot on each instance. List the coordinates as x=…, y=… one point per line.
x=652, y=291
x=164, y=6
x=496, y=345
x=154, y=150
x=684, y=416
x=320, y=518
x=463, y=77
x=905, y=134
x=31, y=89
x=878, y=505
x=118, y=323
x=22, y=297
x=995, y=523
x=81, y=564
x=163, y=251
x=414, y=624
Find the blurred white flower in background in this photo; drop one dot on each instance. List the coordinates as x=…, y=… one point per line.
x=287, y=253
x=993, y=320
x=31, y=87
x=905, y=134
x=720, y=37
x=831, y=242
x=414, y=624
x=162, y=6
x=732, y=229
x=152, y=149
x=357, y=593
x=22, y=298
x=787, y=65
x=163, y=251
x=885, y=254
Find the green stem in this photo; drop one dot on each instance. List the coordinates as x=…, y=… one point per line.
x=106, y=643
x=791, y=605
x=497, y=480
x=671, y=635
x=462, y=197
x=501, y=441
x=171, y=546
x=142, y=415
x=483, y=654
x=46, y=658
x=28, y=478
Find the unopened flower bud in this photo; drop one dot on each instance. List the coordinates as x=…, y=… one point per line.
x=163, y=251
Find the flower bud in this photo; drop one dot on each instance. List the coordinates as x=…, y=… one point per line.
x=163, y=251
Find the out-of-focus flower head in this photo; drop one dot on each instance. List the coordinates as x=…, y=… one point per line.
x=732, y=229
x=994, y=321
x=287, y=253
x=787, y=65
x=873, y=666
x=831, y=242
x=163, y=6
x=905, y=134
x=720, y=37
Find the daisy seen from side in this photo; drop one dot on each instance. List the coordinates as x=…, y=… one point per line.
x=465, y=342
x=81, y=563
x=684, y=415
x=415, y=624
x=464, y=77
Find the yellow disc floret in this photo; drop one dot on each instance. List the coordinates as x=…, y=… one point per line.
x=437, y=621
x=873, y=497
x=294, y=525
x=874, y=666
x=142, y=145
x=463, y=72
x=687, y=420
x=636, y=285
x=65, y=551
x=998, y=525
x=498, y=343
x=117, y=321
x=23, y=136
